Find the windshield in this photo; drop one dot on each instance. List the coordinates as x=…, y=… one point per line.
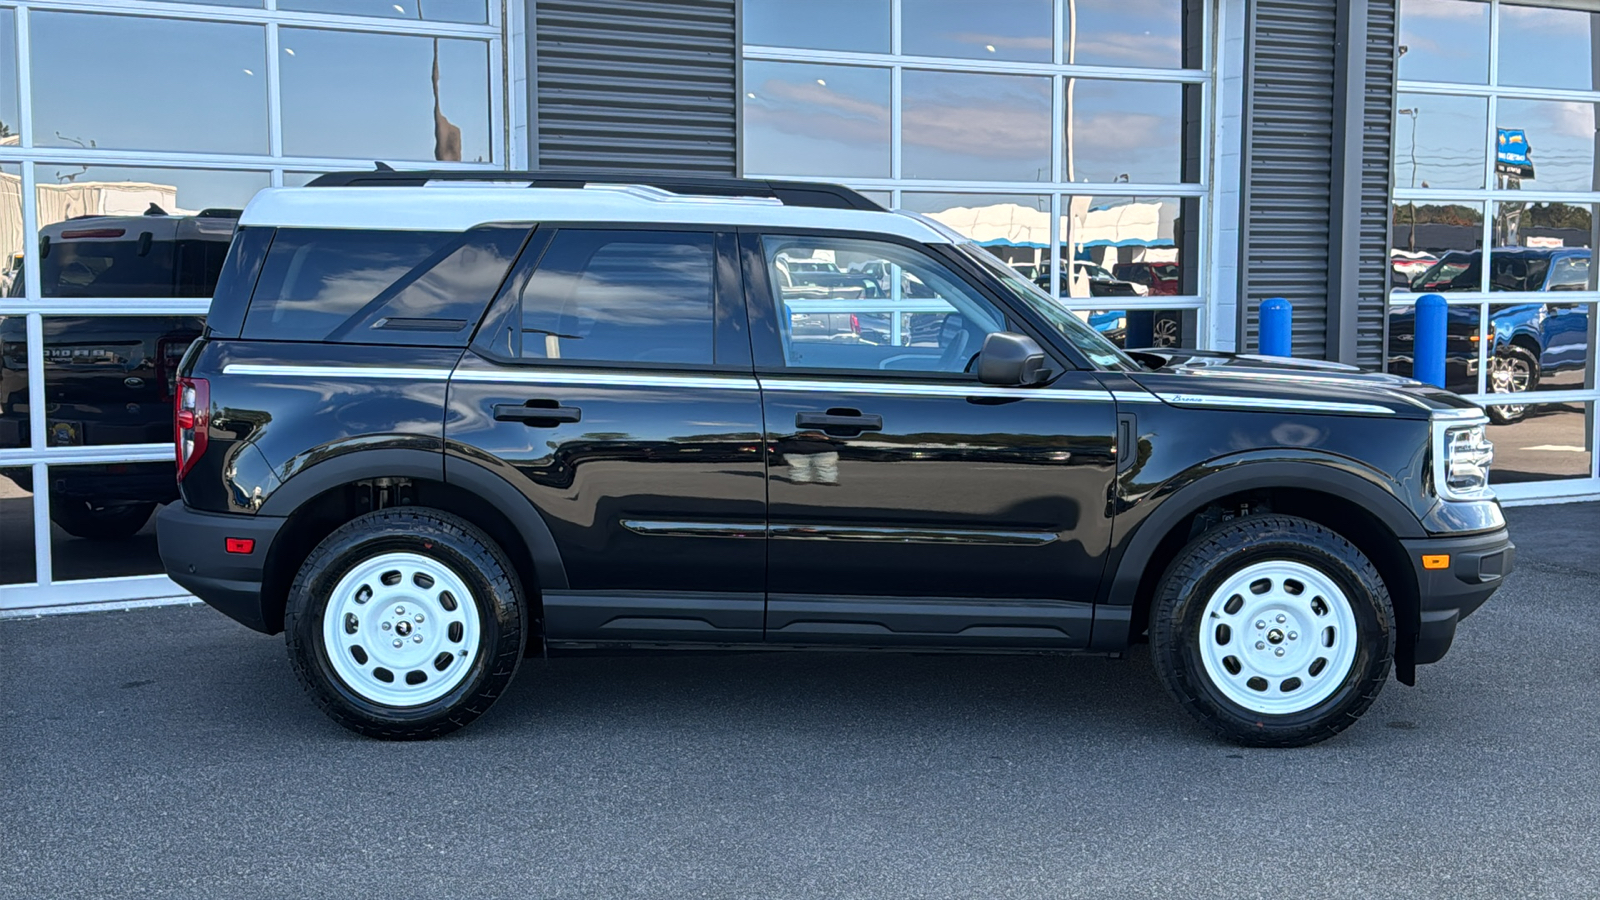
x=1100, y=352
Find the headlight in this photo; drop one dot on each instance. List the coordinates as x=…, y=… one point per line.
x=1462, y=453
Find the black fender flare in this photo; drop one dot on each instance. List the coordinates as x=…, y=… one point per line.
x=1219, y=478
x=389, y=462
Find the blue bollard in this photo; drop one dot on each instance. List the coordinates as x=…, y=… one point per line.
x=1428, y=339
x=1277, y=321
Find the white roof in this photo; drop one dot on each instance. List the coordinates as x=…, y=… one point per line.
x=454, y=206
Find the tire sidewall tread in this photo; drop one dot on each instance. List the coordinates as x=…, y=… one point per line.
x=472, y=554
x=1199, y=568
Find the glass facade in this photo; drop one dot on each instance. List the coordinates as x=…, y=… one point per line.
x=1496, y=195
x=129, y=142
x=1067, y=136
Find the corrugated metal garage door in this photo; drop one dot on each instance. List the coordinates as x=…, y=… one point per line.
x=635, y=85
x=1288, y=166
x=1377, y=136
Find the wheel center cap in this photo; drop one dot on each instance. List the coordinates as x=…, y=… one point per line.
x=1275, y=636
x=402, y=628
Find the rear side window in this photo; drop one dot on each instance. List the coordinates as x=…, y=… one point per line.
x=622, y=296
x=379, y=287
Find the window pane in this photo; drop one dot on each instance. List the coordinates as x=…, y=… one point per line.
x=241, y=4
x=393, y=287
x=122, y=232
x=16, y=525
x=1541, y=46
x=865, y=305
x=859, y=25
x=1135, y=329
x=103, y=521
x=827, y=121
x=1462, y=350
x=621, y=296
x=1433, y=245
x=11, y=239
x=110, y=379
x=1015, y=30
x=1541, y=442
x=474, y=12
x=1014, y=227
x=1158, y=34
x=1541, y=345
x=975, y=127
x=1125, y=247
x=14, y=406
x=1560, y=142
x=1440, y=141
x=1445, y=40
x=384, y=96
x=10, y=124
x=179, y=84
x=1125, y=131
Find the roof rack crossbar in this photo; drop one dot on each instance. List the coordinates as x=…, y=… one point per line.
x=790, y=193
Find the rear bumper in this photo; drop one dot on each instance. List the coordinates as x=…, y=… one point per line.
x=194, y=553
x=1478, y=565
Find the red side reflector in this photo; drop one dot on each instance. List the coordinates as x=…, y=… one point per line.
x=241, y=545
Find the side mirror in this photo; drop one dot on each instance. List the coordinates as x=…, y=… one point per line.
x=1011, y=360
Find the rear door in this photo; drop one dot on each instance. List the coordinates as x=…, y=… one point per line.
x=611, y=386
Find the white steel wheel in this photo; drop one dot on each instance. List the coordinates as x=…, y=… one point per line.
x=1278, y=637
x=401, y=630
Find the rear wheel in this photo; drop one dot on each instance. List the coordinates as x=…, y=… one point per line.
x=110, y=523
x=405, y=623
x=1273, y=631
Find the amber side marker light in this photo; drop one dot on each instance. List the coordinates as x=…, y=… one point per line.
x=1441, y=561
x=248, y=545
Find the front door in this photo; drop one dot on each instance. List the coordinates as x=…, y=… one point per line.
x=611, y=384
x=907, y=503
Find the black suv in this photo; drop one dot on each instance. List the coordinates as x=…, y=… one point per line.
x=436, y=426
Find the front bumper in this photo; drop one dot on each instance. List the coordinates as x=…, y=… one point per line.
x=1478, y=564
x=194, y=551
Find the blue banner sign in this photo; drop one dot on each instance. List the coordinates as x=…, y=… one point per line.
x=1511, y=153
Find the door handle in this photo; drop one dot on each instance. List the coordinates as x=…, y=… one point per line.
x=537, y=413
x=845, y=422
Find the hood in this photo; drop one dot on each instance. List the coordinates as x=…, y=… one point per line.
x=1208, y=379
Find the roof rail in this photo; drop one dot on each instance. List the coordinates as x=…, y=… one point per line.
x=790, y=193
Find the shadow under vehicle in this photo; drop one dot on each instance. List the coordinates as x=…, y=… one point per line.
x=110, y=379
x=1528, y=343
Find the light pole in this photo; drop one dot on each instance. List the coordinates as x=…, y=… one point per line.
x=1413, y=112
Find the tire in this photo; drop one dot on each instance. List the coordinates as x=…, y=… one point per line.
x=1208, y=609
x=425, y=579
x=111, y=523
x=1513, y=370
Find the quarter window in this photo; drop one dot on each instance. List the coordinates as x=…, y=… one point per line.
x=848, y=304
x=379, y=287
x=622, y=297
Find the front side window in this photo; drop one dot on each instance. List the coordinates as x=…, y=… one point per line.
x=622, y=297
x=869, y=305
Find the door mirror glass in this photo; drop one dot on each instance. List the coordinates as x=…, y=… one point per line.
x=1011, y=360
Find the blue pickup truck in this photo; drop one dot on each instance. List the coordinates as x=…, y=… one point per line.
x=1529, y=343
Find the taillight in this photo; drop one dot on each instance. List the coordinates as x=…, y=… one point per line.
x=855, y=325
x=191, y=421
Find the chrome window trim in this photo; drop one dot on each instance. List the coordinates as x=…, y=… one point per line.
x=608, y=379
x=336, y=371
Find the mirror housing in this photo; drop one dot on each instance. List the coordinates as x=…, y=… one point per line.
x=1012, y=360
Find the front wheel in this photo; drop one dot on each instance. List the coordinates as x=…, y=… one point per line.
x=1273, y=631
x=405, y=624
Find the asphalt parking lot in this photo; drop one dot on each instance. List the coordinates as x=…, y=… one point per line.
x=169, y=753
